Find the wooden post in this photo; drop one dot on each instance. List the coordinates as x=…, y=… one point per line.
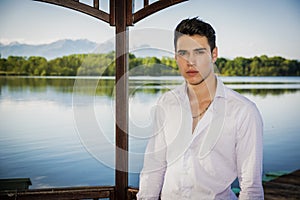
x=121, y=173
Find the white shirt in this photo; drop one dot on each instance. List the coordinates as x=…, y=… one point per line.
x=226, y=143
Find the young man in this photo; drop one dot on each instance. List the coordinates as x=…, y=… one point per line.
x=205, y=134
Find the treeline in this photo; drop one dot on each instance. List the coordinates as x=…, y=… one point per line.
x=258, y=66
x=85, y=65
x=104, y=65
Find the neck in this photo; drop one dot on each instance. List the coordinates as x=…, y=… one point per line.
x=204, y=91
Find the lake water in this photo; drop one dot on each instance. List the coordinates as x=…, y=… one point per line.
x=60, y=131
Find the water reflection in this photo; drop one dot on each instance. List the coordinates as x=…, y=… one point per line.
x=149, y=85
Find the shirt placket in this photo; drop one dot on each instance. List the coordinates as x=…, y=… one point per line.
x=186, y=179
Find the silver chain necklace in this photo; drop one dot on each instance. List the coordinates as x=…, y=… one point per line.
x=199, y=115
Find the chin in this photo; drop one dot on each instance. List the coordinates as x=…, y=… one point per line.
x=196, y=82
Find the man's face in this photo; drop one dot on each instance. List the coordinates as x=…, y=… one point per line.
x=194, y=58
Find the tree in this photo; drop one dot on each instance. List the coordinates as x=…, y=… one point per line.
x=220, y=63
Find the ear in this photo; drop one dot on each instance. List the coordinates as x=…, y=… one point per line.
x=214, y=54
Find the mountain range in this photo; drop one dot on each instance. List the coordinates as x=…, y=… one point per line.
x=55, y=49
x=67, y=47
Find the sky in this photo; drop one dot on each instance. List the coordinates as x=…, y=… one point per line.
x=245, y=28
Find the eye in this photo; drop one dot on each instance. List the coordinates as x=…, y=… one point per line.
x=199, y=51
x=181, y=53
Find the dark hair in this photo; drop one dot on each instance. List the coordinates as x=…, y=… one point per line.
x=195, y=26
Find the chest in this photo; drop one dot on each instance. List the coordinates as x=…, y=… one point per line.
x=214, y=133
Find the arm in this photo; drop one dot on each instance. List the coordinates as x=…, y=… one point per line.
x=249, y=151
x=152, y=175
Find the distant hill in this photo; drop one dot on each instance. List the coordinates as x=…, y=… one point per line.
x=55, y=49
x=67, y=47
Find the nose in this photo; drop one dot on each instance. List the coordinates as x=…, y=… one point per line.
x=191, y=60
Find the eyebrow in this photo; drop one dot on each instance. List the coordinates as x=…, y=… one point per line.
x=197, y=49
x=181, y=51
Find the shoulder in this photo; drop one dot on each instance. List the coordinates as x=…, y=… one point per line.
x=239, y=101
x=234, y=100
x=242, y=109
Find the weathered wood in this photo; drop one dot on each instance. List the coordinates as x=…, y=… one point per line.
x=121, y=173
x=69, y=193
x=154, y=7
x=284, y=187
x=131, y=193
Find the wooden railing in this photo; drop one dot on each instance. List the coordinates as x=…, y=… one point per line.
x=284, y=187
x=131, y=193
x=67, y=193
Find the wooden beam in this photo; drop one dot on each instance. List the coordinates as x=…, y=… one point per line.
x=67, y=193
x=122, y=43
x=284, y=187
x=154, y=7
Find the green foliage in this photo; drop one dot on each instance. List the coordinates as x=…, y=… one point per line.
x=258, y=66
x=152, y=66
x=104, y=65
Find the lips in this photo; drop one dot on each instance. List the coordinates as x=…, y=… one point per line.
x=192, y=72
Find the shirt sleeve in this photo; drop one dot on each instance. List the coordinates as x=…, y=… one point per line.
x=152, y=174
x=249, y=151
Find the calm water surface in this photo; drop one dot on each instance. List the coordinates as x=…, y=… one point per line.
x=60, y=131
